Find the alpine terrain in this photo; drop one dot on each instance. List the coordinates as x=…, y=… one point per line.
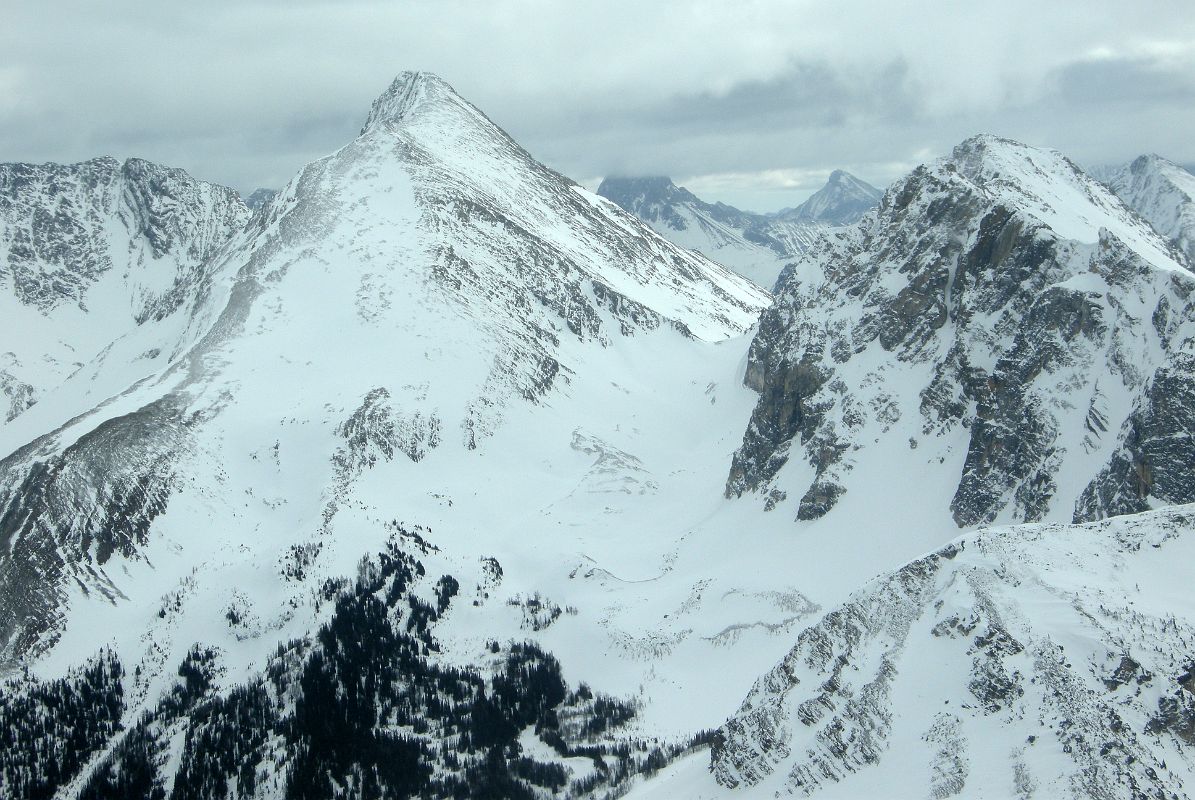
x=1002, y=327
x=91, y=252
x=1163, y=193
x=436, y=475
x=757, y=246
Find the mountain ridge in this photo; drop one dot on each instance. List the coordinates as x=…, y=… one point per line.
x=1163, y=193
x=755, y=245
x=997, y=269
x=1004, y=671
x=94, y=251
x=426, y=494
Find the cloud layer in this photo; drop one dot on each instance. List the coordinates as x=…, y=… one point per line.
x=752, y=102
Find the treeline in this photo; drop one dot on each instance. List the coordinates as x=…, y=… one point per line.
x=365, y=708
x=50, y=729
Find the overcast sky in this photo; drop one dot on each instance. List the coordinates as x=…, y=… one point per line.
x=752, y=103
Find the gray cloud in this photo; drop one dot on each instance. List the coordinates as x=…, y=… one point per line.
x=806, y=95
x=754, y=101
x=1135, y=82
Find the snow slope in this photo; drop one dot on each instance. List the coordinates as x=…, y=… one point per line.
x=1164, y=194
x=93, y=251
x=1031, y=661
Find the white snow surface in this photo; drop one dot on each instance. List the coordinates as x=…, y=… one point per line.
x=95, y=251
x=545, y=381
x=979, y=672
x=1163, y=193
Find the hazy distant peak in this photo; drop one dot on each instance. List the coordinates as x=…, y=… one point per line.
x=842, y=201
x=634, y=194
x=259, y=197
x=1163, y=193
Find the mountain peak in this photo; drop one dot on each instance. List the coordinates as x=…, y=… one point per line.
x=982, y=142
x=986, y=157
x=633, y=193
x=843, y=200
x=1141, y=162
x=991, y=160
x=259, y=197
x=406, y=94
x=1163, y=193
x=1154, y=162
x=1047, y=185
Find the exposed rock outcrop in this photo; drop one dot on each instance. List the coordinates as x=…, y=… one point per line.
x=958, y=664
x=999, y=301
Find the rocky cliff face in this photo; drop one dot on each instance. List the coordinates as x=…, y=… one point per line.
x=1037, y=661
x=998, y=304
x=89, y=251
x=1152, y=464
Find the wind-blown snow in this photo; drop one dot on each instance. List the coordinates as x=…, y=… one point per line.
x=428, y=331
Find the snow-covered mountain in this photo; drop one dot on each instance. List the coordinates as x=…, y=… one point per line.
x=481, y=276
x=1003, y=327
x=425, y=331
x=745, y=242
x=91, y=251
x=1164, y=194
x=424, y=494
x=755, y=245
x=842, y=201
x=1033, y=661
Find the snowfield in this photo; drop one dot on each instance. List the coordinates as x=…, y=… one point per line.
x=424, y=492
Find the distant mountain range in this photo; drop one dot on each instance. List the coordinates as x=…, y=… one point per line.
x=755, y=245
